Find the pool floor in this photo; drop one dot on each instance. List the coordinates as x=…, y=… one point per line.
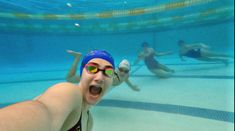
x=198, y=97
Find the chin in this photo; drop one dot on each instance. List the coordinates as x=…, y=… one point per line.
x=91, y=100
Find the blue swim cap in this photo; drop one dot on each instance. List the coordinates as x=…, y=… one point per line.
x=96, y=54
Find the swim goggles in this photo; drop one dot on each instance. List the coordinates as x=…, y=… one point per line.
x=93, y=69
x=123, y=70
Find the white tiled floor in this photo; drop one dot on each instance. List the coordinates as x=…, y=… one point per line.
x=207, y=93
x=215, y=94
x=119, y=119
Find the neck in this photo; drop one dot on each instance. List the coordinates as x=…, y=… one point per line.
x=85, y=106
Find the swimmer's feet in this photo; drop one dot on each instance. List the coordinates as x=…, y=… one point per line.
x=75, y=54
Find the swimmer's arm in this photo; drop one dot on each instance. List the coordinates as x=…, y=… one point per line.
x=73, y=79
x=47, y=113
x=133, y=87
x=181, y=57
x=140, y=57
x=197, y=46
x=162, y=53
x=24, y=116
x=71, y=76
x=61, y=99
x=204, y=46
x=136, y=62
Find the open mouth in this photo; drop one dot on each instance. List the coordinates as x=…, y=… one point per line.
x=95, y=90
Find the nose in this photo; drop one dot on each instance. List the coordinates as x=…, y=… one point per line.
x=99, y=78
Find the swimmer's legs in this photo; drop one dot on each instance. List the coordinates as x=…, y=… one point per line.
x=165, y=68
x=161, y=73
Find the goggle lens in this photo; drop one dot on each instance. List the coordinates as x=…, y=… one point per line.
x=109, y=72
x=123, y=70
x=94, y=69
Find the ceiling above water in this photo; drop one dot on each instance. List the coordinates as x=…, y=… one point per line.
x=106, y=16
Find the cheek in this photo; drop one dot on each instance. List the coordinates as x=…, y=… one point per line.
x=85, y=80
x=109, y=82
x=86, y=76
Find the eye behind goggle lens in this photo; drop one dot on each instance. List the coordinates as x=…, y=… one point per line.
x=109, y=72
x=123, y=70
x=92, y=69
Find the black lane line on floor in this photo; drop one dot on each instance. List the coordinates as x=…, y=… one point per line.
x=167, y=108
x=175, y=109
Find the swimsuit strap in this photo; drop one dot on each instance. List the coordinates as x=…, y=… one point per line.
x=78, y=126
x=117, y=76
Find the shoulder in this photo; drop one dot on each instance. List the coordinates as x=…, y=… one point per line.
x=62, y=88
x=63, y=92
x=62, y=85
x=60, y=100
x=151, y=51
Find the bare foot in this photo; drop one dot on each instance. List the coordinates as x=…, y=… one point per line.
x=75, y=54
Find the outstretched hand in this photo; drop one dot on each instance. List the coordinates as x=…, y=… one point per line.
x=135, y=88
x=74, y=53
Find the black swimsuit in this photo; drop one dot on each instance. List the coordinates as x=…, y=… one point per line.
x=193, y=53
x=78, y=126
x=150, y=62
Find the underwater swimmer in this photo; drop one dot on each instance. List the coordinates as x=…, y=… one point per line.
x=201, y=52
x=148, y=55
x=121, y=73
x=64, y=106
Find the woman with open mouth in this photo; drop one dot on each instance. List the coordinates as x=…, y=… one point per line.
x=121, y=74
x=64, y=106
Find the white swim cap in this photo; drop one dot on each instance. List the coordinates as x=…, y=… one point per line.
x=125, y=64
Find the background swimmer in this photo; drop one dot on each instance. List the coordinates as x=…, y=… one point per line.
x=200, y=52
x=121, y=73
x=148, y=54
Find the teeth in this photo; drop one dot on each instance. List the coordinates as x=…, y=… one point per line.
x=95, y=90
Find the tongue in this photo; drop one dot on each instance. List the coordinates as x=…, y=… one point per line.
x=95, y=90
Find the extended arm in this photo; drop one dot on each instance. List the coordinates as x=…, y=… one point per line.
x=47, y=113
x=133, y=87
x=136, y=61
x=140, y=57
x=71, y=76
x=162, y=53
x=26, y=116
x=73, y=79
x=181, y=57
x=197, y=45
